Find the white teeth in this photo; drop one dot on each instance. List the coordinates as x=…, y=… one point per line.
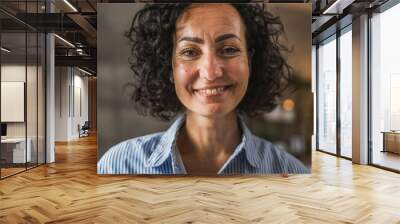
x=211, y=92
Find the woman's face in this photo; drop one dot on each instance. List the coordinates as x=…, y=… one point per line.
x=210, y=60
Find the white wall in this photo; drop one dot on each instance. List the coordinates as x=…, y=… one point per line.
x=12, y=100
x=16, y=73
x=79, y=111
x=70, y=83
x=62, y=81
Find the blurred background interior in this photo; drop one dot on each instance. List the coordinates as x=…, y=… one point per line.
x=49, y=82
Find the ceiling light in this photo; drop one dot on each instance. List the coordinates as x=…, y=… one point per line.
x=337, y=7
x=84, y=71
x=71, y=6
x=64, y=40
x=5, y=50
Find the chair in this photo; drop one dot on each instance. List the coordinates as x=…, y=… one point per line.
x=84, y=130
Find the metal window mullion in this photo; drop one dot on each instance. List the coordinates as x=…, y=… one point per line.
x=69, y=91
x=37, y=91
x=72, y=93
x=26, y=86
x=45, y=95
x=317, y=96
x=0, y=91
x=338, y=96
x=369, y=90
x=45, y=87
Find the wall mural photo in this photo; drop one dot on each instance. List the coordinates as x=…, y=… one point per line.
x=204, y=89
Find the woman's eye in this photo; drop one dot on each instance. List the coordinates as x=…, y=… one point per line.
x=229, y=51
x=191, y=53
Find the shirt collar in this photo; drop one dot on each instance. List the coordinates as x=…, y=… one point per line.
x=249, y=144
x=164, y=147
x=167, y=141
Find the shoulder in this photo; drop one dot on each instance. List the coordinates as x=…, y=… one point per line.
x=277, y=159
x=129, y=154
x=145, y=143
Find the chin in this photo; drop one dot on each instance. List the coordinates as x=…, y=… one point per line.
x=213, y=110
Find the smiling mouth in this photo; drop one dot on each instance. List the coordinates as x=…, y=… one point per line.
x=215, y=91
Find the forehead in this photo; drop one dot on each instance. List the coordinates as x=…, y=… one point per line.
x=211, y=18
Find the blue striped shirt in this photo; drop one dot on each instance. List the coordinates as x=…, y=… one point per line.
x=157, y=154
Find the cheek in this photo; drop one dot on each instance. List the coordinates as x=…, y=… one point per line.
x=239, y=71
x=184, y=76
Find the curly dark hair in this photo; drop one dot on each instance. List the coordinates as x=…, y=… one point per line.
x=151, y=35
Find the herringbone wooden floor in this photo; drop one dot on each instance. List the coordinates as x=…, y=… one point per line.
x=70, y=191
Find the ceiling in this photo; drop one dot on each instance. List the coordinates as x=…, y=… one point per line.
x=76, y=22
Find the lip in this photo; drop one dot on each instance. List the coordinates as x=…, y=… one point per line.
x=212, y=87
x=212, y=91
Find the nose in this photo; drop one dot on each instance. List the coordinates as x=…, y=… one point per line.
x=210, y=67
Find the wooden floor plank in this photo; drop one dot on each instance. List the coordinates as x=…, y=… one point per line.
x=70, y=191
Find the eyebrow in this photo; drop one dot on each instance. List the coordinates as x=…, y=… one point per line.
x=192, y=39
x=226, y=36
x=201, y=41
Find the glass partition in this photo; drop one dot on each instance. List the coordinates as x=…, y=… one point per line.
x=13, y=108
x=22, y=88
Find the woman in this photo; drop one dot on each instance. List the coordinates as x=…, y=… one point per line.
x=209, y=63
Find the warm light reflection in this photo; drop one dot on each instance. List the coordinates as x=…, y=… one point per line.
x=288, y=105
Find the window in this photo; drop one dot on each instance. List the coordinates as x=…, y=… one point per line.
x=335, y=74
x=385, y=89
x=346, y=92
x=327, y=96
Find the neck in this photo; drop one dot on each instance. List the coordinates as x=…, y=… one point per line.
x=210, y=137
